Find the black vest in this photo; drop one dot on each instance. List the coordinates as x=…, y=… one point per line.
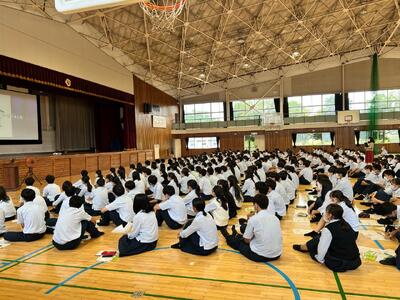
x=343, y=243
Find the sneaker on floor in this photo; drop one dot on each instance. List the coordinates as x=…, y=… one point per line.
x=385, y=221
x=390, y=261
x=364, y=215
x=99, y=234
x=312, y=234
x=360, y=197
x=242, y=221
x=176, y=246
x=86, y=238
x=369, y=211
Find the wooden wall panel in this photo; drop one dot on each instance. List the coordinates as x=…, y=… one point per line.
x=62, y=167
x=133, y=158
x=125, y=159
x=146, y=135
x=104, y=161
x=92, y=163
x=115, y=160
x=78, y=163
x=141, y=157
x=149, y=155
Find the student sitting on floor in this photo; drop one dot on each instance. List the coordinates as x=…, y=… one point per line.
x=343, y=184
x=6, y=205
x=229, y=198
x=30, y=181
x=99, y=198
x=156, y=188
x=337, y=247
x=3, y=228
x=306, y=174
x=390, y=194
x=218, y=207
x=200, y=235
x=72, y=225
x=248, y=188
x=205, y=185
x=172, y=209
x=324, y=186
x=31, y=217
x=393, y=212
x=262, y=240
x=51, y=190
x=193, y=193
x=173, y=181
x=120, y=211
x=144, y=232
x=275, y=199
x=235, y=191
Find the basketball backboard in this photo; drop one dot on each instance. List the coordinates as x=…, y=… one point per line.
x=73, y=6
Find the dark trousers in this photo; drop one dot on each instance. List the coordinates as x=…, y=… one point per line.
x=113, y=216
x=22, y=237
x=127, y=246
x=303, y=181
x=163, y=215
x=236, y=242
x=88, y=227
x=247, y=198
x=9, y=218
x=191, y=245
x=333, y=263
x=88, y=208
x=48, y=202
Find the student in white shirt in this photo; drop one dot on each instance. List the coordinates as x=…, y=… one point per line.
x=120, y=211
x=99, y=175
x=85, y=188
x=132, y=190
x=248, y=187
x=139, y=184
x=262, y=240
x=306, y=174
x=275, y=200
x=337, y=246
x=58, y=202
x=31, y=217
x=173, y=181
x=199, y=236
x=212, y=177
x=6, y=205
x=235, y=190
x=185, y=178
x=3, y=228
x=156, y=188
x=99, y=198
x=172, y=209
x=72, y=225
x=51, y=190
x=143, y=234
x=343, y=184
x=204, y=185
x=30, y=181
x=78, y=183
x=218, y=207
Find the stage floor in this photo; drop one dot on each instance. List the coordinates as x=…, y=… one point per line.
x=37, y=270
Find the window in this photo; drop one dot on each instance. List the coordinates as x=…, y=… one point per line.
x=312, y=105
x=203, y=112
x=252, y=108
x=380, y=136
x=203, y=143
x=386, y=101
x=313, y=139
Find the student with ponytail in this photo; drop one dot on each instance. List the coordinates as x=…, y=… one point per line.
x=336, y=247
x=235, y=190
x=218, y=207
x=193, y=193
x=200, y=236
x=248, y=187
x=173, y=181
x=229, y=198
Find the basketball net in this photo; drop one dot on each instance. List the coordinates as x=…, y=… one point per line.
x=163, y=13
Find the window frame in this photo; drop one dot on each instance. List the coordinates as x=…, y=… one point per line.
x=322, y=111
x=200, y=140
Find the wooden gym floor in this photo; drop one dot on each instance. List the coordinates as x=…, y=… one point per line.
x=38, y=271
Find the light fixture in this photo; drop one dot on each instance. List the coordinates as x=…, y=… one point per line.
x=246, y=65
x=295, y=54
x=240, y=41
x=202, y=75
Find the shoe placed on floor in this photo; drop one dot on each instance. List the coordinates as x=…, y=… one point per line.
x=103, y=223
x=298, y=248
x=313, y=192
x=312, y=234
x=369, y=211
x=390, y=261
x=364, y=215
x=360, y=197
x=86, y=238
x=176, y=246
x=385, y=221
x=99, y=234
x=366, y=203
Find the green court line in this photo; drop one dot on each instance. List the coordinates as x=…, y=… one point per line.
x=339, y=284
x=93, y=288
x=17, y=262
x=216, y=280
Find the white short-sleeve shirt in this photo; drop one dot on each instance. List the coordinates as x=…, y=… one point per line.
x=69, y=226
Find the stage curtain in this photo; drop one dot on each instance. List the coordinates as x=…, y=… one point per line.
x=357, y=134
x=277, y=105
x=109, y=133
x=398, y=132
x=338, y=102
x=285, y=107
x=294, y=138
x=332, y=133
x=129, y=127
x=75, y=125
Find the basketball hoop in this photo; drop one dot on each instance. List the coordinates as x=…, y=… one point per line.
x=163, y=13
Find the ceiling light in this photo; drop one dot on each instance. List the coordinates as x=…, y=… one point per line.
x=240, y=41
x=202, y=75
x=246, y=65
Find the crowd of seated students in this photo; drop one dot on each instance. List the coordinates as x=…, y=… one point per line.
x=198, y=196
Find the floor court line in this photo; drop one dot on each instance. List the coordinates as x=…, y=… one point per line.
x=340, y=287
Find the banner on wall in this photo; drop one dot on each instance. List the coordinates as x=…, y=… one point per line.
x=159, y=122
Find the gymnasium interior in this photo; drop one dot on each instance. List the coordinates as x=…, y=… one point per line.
x=107, y=84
